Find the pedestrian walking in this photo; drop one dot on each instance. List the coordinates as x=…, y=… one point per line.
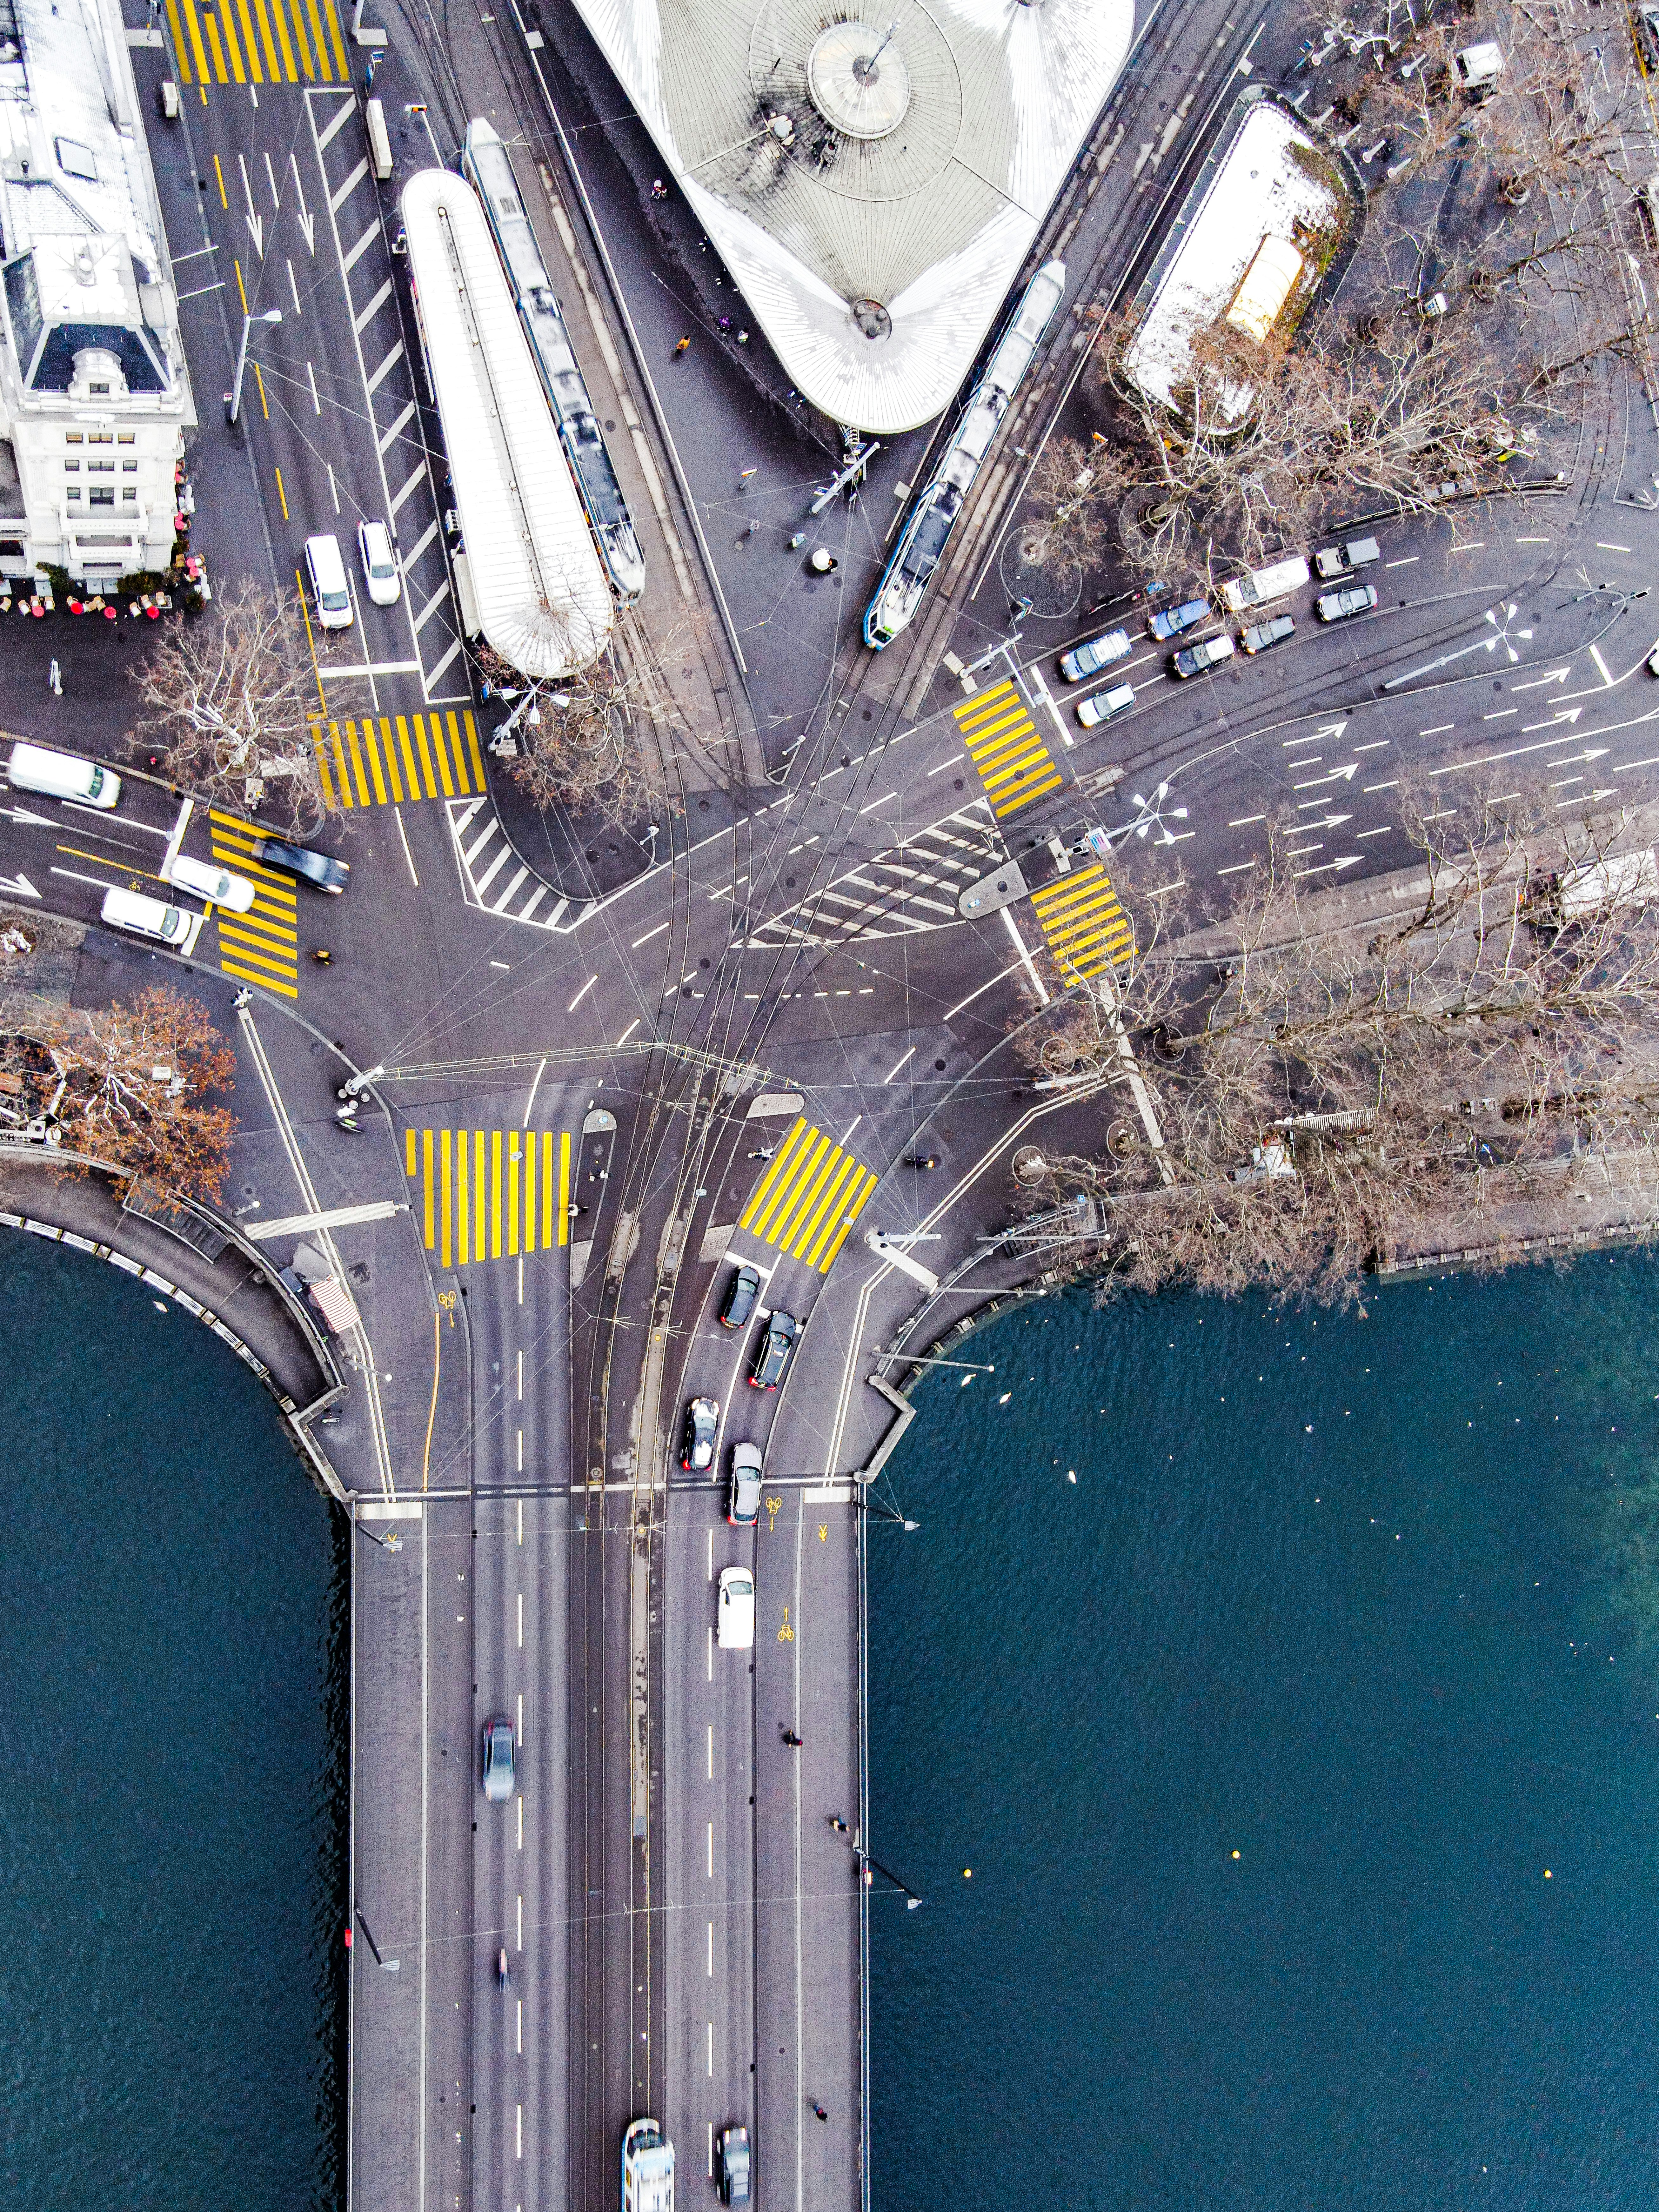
x=818, y=2113
x=322, y=955
x=838, y=1824
x=55, y=678
x=682, y=346
x=659, y=189
x=791, y=1739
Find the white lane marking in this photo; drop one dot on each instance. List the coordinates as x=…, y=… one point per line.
x=530, y=1101
x=1245, y=820
x=1602, y=546
x=1596, y=656
x=946, y=763
x=1375, y=745
x=521, y=1367
x=711, y=1555
x=1237, y=869
x=521, y=1824
x=1438, y=731
x=1383, y=832
x=517, y=2149
x=404, y=837
x=649, y=934
x=582, y=994
x=521, y=1620
x=1393, y=784
x=1024, y=950
x=972, y=996
x=711, y=1952
x=520, y=1465
x=521, y=1522
x=520, y=2033
x=1406, y=564
x=711, y=2049
x=899, y=1064
x=1500, y=715
x=520, y=1944
x=630, y=1030
x=711, y=1850
x=520, y=1735
x=316, y=400
x=337, y=1217
x=711, y=1655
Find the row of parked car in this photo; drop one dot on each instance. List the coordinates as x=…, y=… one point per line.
x=1241, y=593
x=701, y=1427
x=81, y=782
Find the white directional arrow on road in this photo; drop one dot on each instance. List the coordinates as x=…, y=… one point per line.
x=1336, y=775
x=18, y=887
x=1349, y=860
x=1326, y=821
x=255, y=223
x=23, y=814
x=307, y=220
x=1561, y=714
x=1552, y=675
x=1591, y=753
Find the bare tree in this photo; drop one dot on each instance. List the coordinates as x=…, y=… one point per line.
x=1071, y=488
x=1327, y=1094
x=231, y=706
x=140, y=1085
x=1268, y=439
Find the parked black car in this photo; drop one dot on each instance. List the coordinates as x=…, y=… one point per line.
x=741, y=1293
x=772, y=1353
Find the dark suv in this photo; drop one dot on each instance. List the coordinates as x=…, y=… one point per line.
x=741, y=1293
x=772, y=1353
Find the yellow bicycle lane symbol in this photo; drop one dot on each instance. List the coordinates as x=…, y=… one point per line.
x=786, y=1634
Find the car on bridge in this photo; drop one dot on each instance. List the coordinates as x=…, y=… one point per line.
x=703, y=1420
x=744, y=1490
x=772, y=1353
x=498, y=1759
x=735, y=2184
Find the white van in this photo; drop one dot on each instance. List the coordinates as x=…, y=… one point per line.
x=1270, y=583
x=63, y=776
x=171, y=926
x=328, y=583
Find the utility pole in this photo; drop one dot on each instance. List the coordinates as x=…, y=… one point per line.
x=234, y=397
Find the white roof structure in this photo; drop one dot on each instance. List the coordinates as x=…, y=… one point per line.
x=1237, y=257
x=543, y=601
x=873, y=172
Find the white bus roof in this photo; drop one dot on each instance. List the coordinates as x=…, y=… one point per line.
x=542, y=596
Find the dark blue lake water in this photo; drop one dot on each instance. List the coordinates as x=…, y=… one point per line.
x=1304, y=1750
x=171, y=1734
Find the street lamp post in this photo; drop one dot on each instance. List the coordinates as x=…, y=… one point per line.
x=233, y=400
x=865, y=1862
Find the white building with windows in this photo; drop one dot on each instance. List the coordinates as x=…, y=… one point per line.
x=94, y=396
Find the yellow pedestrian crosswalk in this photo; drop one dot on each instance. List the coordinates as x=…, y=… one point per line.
x=258, y=41
x=809, y=1197
x=1014, y=764
x=489, y=1193
x=1086, y=927
x=399, y=757
x=263, y=945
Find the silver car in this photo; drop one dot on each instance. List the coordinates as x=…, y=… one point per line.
x=498, y=1759
x=743, y=1492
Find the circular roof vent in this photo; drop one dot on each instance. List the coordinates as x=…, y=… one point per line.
x=872, y=319
x=858, y=81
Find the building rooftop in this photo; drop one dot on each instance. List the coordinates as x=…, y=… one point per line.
x=873, y=172
x=80, y=235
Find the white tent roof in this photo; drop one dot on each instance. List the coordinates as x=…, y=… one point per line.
x=542, y=600
x=913, y=187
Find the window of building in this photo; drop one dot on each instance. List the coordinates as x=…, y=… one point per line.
x=129, y=468
x=71, y=468
x=103, y=495
x=130, y=492
x=74, y=492
x=126, y=437
x=101, y=437
x=101, y=468
x=72, y=437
